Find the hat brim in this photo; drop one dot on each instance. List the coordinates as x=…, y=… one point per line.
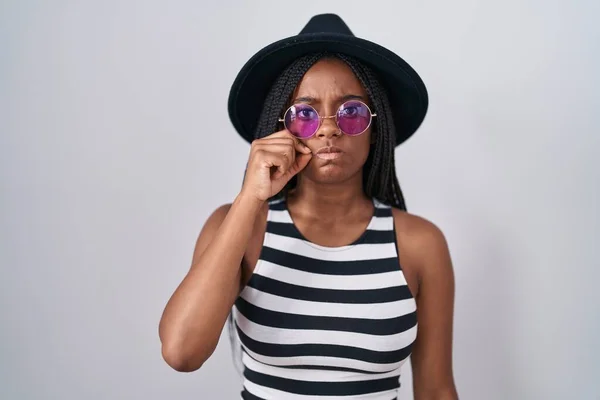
x=406, y=91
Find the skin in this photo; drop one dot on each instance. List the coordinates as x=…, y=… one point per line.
x=330, y=208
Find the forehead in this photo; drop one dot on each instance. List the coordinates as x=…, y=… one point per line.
x=330, y=77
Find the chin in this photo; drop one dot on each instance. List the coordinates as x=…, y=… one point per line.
x=331, y=173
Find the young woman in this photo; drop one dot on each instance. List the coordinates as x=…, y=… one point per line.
x=328, y=283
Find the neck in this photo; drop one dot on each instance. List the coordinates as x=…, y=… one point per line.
x=329, y=201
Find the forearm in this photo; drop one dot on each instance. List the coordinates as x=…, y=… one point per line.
x=427, y=390
x=436, y=394
x=196, y=313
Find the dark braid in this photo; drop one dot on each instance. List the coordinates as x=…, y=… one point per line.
x=379, y=172
x=280, y=94
x=379, y=177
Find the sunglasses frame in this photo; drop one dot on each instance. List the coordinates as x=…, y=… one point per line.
x=335, y=118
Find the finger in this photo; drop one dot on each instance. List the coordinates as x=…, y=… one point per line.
x=295, y=142
x=302, y=148
x=277, y=160
x=281, y=133
x=283, y=147
x=301, y=162
x=279, y=148
x=298, y=144
x=279, y=141
x=288, y=140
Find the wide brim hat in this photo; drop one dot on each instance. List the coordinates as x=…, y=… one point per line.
x=327, y=33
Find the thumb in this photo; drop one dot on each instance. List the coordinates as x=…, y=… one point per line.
x=301, y=147
x=301, y=162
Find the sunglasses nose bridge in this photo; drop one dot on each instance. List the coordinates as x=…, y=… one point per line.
x=328, y=126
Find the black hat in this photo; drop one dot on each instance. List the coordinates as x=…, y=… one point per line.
x=327, y=33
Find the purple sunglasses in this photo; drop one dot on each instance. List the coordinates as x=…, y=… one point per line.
x=303, y=121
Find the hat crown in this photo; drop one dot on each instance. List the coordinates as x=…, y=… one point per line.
x=327, y=34
x=326, y=23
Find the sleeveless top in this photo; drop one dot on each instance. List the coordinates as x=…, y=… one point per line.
x=318, y=322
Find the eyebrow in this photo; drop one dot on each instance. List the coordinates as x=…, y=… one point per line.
x=308, y=99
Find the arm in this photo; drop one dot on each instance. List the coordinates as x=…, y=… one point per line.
x=425, y=251
x=196, y=313
x=194, y=317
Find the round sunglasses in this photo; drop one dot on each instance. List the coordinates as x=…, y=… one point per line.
x=352, y=118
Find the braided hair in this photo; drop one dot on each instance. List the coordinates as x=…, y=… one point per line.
x=379, y=172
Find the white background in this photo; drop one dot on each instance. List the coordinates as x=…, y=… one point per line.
x=115, y=145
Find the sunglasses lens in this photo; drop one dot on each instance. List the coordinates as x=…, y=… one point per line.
x=354, y=117
x=302, y=120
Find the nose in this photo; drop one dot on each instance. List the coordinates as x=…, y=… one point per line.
x=328, y=128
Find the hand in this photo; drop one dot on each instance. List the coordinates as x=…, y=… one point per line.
x=273, y=161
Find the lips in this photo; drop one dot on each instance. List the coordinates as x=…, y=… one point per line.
x=329, y=153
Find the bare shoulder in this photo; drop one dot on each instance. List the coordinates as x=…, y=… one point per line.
x=215, y=219
x=214, y=222
x=208, y=230
x=422, y=234
x=219, y=214
x=422, y=244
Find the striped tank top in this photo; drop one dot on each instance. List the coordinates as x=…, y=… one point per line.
x=318, y=322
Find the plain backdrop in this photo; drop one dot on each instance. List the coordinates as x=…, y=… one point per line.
x=115, y=145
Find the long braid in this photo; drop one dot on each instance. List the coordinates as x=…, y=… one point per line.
x=380, y=180
x=280, y=94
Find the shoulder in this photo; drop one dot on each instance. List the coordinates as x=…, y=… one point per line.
x=208, y=230
x=421, y=242
x=215, y=219
x=220, y=212
x=214, y=222
x=218, y=215
x=421, y=232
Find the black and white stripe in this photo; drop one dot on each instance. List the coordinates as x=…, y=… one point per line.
x=318, y=322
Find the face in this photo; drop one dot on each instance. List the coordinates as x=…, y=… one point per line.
x=337, y=157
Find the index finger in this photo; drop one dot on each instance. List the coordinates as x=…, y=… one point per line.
x=301, y=147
